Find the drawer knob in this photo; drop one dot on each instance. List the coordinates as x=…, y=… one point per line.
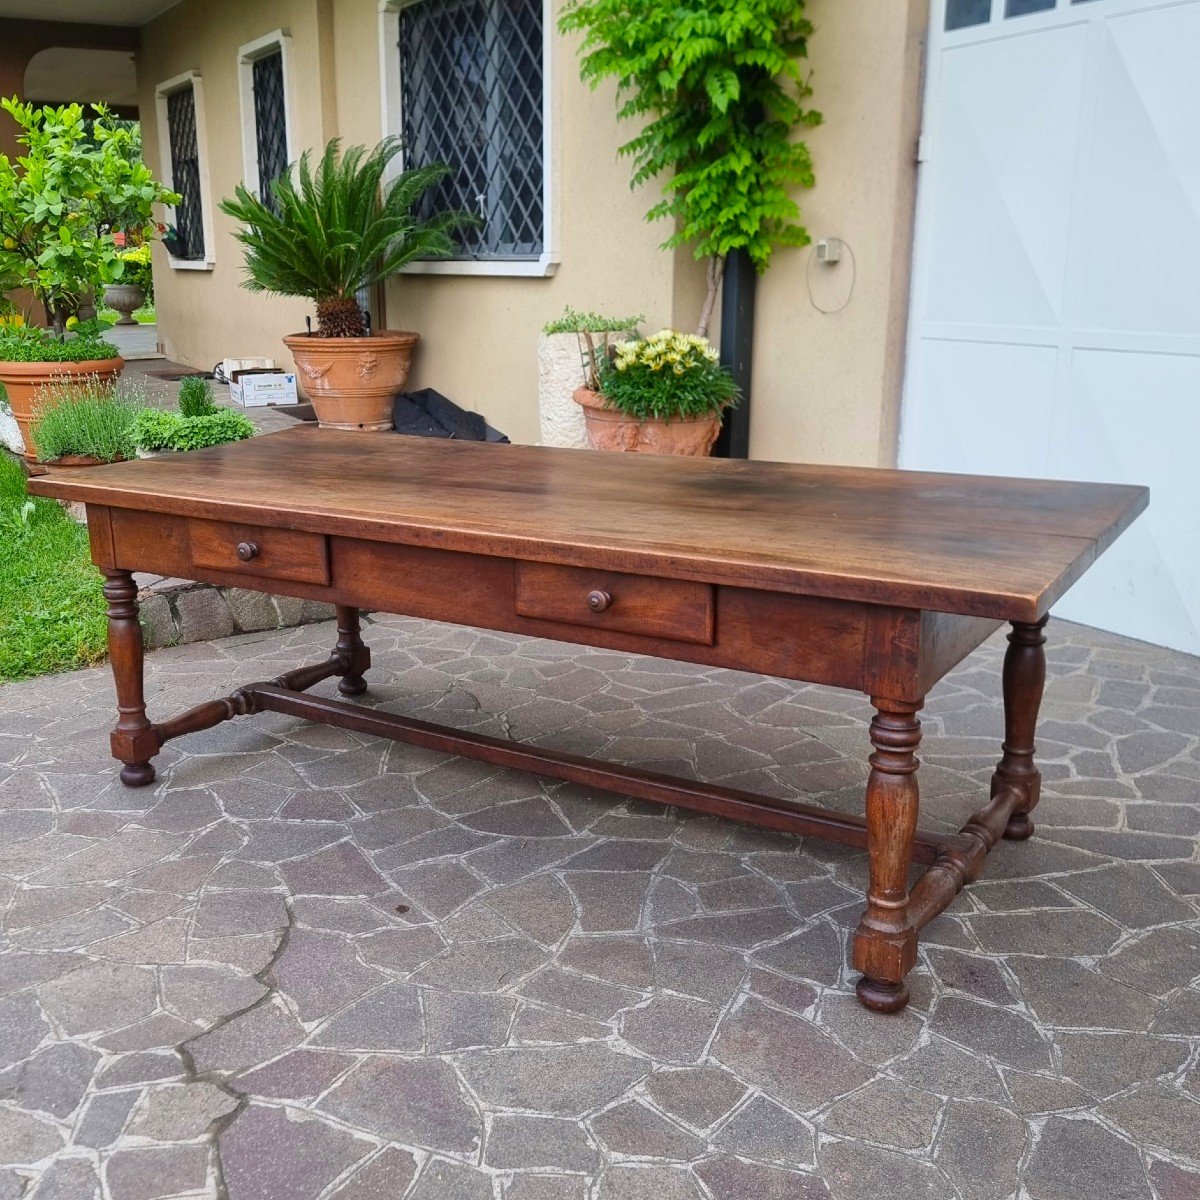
x=598, y=601
x=247, y=550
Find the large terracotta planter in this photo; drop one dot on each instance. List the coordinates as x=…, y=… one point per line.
x=23, y=380
x=608, y=429
x=351, y=381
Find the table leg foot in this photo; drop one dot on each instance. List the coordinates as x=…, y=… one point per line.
x=1024, y=681
x=881, y=995
x=137, y=774
x=1019, y=828
x=885, y=942
x=354, y=652
x=134, y=740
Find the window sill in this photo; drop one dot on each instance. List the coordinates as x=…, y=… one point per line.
x=191, y=264
x=532, y=268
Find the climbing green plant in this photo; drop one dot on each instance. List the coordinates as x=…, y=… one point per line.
x=719, y=88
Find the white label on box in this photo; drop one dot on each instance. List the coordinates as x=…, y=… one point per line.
x=259, y=390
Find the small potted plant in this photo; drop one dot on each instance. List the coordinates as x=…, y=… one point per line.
x=663, y=394
x=33, y=360
x=331, y=230
x=565, y=343
x=86, y=423
x=135, y=287
x=199, y=423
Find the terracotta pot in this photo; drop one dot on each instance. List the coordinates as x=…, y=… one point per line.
x=608, y=429
x=125, y=298
x=351, y=381
x=81, y=460
x=23, y=380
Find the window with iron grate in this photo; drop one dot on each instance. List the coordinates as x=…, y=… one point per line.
x=471, y=94
x=270, y=122
x=185, y=172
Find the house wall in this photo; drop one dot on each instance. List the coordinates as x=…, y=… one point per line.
x=826, y=387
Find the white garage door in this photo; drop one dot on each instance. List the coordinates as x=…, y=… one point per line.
x=1056, y=308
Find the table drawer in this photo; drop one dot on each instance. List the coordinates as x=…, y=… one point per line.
x=260, y=550
x=675, y=609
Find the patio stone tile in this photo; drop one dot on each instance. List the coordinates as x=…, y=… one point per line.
x=517, y=1141
x=1156, y=962
x=980, y=1148
x=99, y=997
x=386, y=1019
x=153, y=1171
x=416, y=1101
x=887, y=1112
x=647, y=1183
x=729, y=1178
x=763, y=1129
x=103, y=1119
x=22, y=1027
x=273, y=1154
x=787, y=1057
x=547, y=1187
x=675, y=1029
x=249, y=1038
x=179, y=1112
x=1065, y=993
x=1172, y=1182
x=855, y=1171
x=382, y=1178
x=1159, y=1116
x=697, y=1096
x=559, y=1080
x=52, y=1081
x=26, y=1139
x=442, y=1180
x=1078, y=1157
x=321, y=973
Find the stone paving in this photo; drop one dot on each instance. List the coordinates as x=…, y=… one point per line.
x=311, y=964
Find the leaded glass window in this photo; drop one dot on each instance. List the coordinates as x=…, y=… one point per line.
x=270, y=122
x=185, y=172
x=471, y=83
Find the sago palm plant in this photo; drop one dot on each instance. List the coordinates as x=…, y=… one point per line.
x=336, y=227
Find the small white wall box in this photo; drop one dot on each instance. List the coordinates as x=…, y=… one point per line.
x=257, y=388
x=829, y=250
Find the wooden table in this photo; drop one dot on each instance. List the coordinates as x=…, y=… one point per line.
x=879, y=581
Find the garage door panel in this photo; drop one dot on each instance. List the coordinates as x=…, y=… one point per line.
x=1141, y=243
x=1001, y=179
x=1134, y=418
x=1008, y=395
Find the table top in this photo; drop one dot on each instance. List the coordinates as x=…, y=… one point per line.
x=989, y=547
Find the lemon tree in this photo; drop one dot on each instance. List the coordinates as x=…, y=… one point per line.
x=57, y=201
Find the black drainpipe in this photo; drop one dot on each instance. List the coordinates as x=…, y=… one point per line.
x=737, y=350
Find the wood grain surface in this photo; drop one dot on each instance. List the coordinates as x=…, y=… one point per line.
x=988, y=547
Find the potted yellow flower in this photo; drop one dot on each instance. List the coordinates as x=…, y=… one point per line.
x=663, y=394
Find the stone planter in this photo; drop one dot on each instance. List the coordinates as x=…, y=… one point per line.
x=23, y=380
x=608, y=429
x=560, y=372
x=125, y=298
x=351, y=381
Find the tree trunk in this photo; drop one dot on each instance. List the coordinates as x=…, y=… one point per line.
x=716, y=269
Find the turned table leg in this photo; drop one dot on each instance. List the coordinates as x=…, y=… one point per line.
x=885, y=943
x=134, y=741
x=350, y=646
x=1024, y=679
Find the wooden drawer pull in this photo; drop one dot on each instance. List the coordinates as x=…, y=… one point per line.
x=598, y=600
x=247, y=550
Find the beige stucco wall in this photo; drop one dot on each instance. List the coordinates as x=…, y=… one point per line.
x=825, y=387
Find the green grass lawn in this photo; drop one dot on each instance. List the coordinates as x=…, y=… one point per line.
x=51, y=606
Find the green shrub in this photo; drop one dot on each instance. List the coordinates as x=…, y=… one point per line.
x=196, y=397
x=158, y=430
x=26, y=343
x=93, y=418
x=668, y=375
x=572, y=321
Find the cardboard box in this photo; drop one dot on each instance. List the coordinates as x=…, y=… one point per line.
x=258, y=388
